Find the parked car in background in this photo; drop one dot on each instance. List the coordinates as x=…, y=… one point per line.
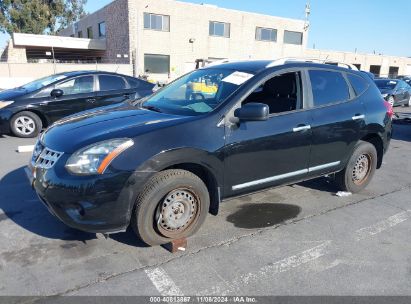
x=25, y=110
x=397, y=92
x=163, y=163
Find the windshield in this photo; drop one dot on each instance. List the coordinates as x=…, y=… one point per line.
x=386, y=84
x=197, y=93
x=41, y=83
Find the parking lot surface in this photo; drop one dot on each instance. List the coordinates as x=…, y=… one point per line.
x=294, y=240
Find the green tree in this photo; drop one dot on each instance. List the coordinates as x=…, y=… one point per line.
x=39, y=16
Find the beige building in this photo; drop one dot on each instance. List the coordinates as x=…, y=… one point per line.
x=164, y=38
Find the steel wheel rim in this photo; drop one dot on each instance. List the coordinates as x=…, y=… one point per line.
x=362, y=169
x=391, y=101
x=177, y=212
x=24, y=125
x=409, y=101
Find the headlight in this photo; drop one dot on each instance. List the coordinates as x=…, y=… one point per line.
x=4, y=104
x=95, y=158
x=384, y=95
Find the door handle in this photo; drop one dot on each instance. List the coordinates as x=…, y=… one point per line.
x=91, y=100
x=302, y=128
x=358, y=117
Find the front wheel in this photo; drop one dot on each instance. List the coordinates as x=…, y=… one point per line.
x=391, y=100
x=359, y=170
x=25, y=124
x=173, y=205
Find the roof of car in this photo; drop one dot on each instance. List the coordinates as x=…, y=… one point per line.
x=256, y=66
x=88, y=72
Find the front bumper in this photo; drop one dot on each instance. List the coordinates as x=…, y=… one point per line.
x=97, y=204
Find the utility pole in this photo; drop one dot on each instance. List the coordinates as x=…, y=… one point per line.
x=307, y=15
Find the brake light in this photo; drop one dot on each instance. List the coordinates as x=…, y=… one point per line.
x=390, y=109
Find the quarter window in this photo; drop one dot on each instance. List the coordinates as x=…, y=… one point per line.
x=266, y=34
x=79, y=85
x=293, y=37
x=156, y=64
x=219, y=29
x=328, y=87
x=156, y=22
x=358, y=83
x=102, y=29
x=111, y=83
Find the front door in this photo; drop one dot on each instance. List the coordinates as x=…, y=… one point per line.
x=77, y=93
x=267, y=153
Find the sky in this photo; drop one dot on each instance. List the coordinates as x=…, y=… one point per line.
x=343, y=25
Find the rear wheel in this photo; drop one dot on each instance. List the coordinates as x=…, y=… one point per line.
x=408, y=103
x=359, y=170
x=25, y=124
x=172, y=205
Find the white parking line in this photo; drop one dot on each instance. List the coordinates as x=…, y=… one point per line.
x=382, y=226
x=283, y=265
x=163, y=283
x=25, y=149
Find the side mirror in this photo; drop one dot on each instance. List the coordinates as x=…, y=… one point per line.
x=252, y=112
x=56, y=93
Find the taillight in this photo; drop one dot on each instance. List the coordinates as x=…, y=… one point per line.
x=390, y=109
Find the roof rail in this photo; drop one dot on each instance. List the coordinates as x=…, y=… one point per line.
x=285, y=60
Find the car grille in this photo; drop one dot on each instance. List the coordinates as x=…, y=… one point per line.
x=44, y=157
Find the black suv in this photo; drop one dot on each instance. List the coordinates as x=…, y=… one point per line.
x=166, y=161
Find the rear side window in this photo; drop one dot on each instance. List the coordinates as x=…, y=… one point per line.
x=359, y=84
x=138, y=84
x=111, y=83
x=328, y=87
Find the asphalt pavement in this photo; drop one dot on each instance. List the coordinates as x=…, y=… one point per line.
x=294, y=240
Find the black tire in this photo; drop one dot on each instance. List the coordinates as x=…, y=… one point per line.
x=391, y=100
x=350, y=178
x=26, y=124
x=151, y=207
x=408, y=103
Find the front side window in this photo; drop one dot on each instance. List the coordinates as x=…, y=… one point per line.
x=79, y=85
x=293, y=37
x=219, y=29
x=266, y=34
x=156, y=22
x=90, y=32
x=102, y=29
x=156, y=64
x=111, y=83
x=281, y=93
x=328, y=87
x=197, y=93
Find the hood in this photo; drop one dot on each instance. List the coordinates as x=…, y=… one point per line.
x=77, y=131
x=12, y=94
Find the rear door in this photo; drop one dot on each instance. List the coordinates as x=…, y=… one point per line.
x=338, y=119
x=111, y=89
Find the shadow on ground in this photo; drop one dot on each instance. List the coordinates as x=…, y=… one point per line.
x=21, y=205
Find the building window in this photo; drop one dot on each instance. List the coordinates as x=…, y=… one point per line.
x=293, y=37
x=266, y=34
x=219, y=29
x=156, y=22
x=80, y=34
x=156, y=64
x=393, y=72
x=358, y=65
x=375, y=69
x=102, y=29
x=90, y=32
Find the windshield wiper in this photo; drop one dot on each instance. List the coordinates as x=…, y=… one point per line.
x=152, y=108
